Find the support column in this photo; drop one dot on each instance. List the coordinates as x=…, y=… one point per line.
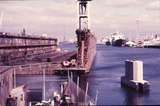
x=134, y=76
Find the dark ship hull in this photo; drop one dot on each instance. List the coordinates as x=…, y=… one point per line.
x=108, y=43
x=119, y=42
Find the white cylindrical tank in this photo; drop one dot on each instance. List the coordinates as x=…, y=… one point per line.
x=134, y=70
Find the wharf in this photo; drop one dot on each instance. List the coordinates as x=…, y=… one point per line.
x=24, y=46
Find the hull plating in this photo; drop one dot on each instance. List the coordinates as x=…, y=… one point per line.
x=86, y=49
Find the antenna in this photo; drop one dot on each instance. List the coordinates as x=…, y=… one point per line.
x=23, y=33
x=159, y=12
x=138, y=28
x=1, y=20
x=44, y=85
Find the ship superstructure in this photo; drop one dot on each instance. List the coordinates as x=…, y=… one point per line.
x=86, y=40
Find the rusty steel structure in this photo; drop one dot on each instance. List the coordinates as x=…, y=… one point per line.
x=18, y=41
x=86, y=40
x=16, y=47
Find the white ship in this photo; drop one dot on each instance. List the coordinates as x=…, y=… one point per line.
x=116, y=39
x=153, y=42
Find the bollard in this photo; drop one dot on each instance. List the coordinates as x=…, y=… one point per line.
x=134, y=76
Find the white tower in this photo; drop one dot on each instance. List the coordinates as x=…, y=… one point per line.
x=82, y=30
x=83, y=14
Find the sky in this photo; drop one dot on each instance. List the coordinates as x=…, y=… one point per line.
x=59, y=18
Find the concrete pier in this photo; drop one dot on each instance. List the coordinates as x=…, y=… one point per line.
x=134, y=76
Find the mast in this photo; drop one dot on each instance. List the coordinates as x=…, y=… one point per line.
x=23, y=33
x=1, y=20
x=44, y=85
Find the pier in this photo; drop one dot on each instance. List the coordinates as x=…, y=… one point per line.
x=134, y=76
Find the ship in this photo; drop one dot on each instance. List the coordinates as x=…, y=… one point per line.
x=86, y=40
x=86, y=44
x=116, y=39
x=152, y=43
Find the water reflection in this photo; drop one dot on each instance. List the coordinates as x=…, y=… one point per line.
x=35, y=86
x=133, y=98
x=82, y=86
x=106, y=74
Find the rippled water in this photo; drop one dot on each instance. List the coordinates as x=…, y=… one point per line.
x=109, y=67
x=106, y=73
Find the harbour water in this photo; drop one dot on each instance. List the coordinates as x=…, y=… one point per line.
x=105, y=76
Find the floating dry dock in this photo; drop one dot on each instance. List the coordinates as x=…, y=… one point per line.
x=15, y=48
x=23, y=49
x=29, y=54
x=18, y=50
x=24, y=54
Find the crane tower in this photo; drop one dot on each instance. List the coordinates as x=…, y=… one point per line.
x=84, y=36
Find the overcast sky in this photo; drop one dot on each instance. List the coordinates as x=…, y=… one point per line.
x=58, y=18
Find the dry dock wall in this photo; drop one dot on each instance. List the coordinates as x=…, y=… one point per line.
x=6, y=83
x=37, y=68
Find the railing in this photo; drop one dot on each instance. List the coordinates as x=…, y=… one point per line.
x=78, y=96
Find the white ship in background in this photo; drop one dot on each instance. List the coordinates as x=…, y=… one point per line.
x=115, y=39
x=1, y=20
x=153, y=42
